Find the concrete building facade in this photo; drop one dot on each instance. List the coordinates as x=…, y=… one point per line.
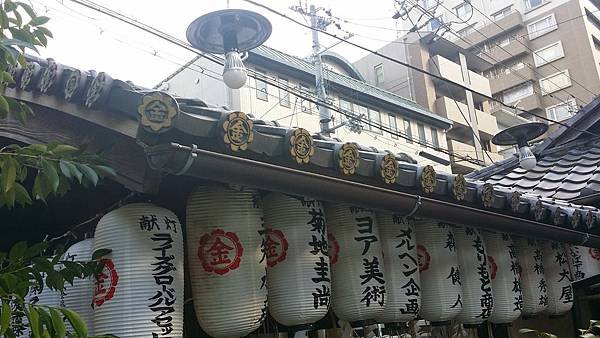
x=346, y=89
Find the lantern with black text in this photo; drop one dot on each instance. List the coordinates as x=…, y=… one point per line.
x=140, y=291
x=77, y=297
x=504, y=273
x=298, y=276
x=533, y=282
x=558, y=278
x=357, y=267
x=477, y=296
x=584, y=262
x=399, y=244
x=227, y=260
x=441, y=295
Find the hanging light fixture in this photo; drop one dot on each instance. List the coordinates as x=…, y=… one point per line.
x=520, y=135
x=230, y=32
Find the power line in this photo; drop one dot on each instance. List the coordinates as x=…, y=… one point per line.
x=417, y=69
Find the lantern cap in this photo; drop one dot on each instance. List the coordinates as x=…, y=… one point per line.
x=520, y=134
x=227, y=30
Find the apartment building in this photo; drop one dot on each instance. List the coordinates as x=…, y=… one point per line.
x=346, y=89
x=543, y=55
x=473, y=126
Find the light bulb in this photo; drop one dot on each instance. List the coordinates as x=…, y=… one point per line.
x=234, y=71
x=527, y=159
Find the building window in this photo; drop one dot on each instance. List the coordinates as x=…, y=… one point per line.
x=393, y=127
x=554, y=82
x=427, y=4
x=467, y=30
x=563, y=111
x=464, y=10
x=502, y=13
x=261, y=86
x=434, y=137
x=305, y=105
x=517, y=93
x=532, y=3
x=408, y=130
x=379, y=74
x=284, y=95
x=592, y=18
x=436, y=23
x=375, y=119
x=421, y=131
x=541, y=26
x=548, y=54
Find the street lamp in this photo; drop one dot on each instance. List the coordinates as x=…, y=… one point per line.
x=230, y=32
x=520, y=135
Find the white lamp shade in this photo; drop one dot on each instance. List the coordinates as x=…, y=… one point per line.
x=358, y=281
x=140, y=291
x=399, y=244
x=441, y=294
x=298, y=275
x=477, y=295
x=533, y=282
x=227, y=265
x=504, y=272
x=78, y=297
x=584, y=262
x=558, y=277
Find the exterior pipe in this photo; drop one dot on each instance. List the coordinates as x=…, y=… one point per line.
x=242, y=171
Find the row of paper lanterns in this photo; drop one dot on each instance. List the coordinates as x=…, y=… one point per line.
x=293, y=258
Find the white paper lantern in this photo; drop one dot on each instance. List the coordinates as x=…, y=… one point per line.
x=140, y=291
x=558, y=277
x=399, y=244
x=441, y=295
x=584, y=262
x=533, y=282
x=298, y=275
x=227, y=265
x=78, y=297
x=477, y=296
x=358, y=281
x=504, y=272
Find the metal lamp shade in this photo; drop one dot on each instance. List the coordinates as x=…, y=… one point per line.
x=226, y=261
x=298, y=276
x=558, y=277
x=399, y=244
x=357, y=265
x=477, y=296
x=504, y=272
x=77, y=297
x=441, y=294
x=533, y=282
x=140, y=291
x=584, y=262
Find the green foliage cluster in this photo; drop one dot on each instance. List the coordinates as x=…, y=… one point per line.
x=593, y=331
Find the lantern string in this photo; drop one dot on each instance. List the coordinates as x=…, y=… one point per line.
x=71, y=232
x=415, y=207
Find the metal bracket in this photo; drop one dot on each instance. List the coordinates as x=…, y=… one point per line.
x=189, y=161
x=586, y=239
x=415, y=208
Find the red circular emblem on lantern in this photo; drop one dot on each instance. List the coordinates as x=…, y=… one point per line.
x=275, y=247
x=493, y=267
x=424, y=258
x=595, y=253
x=105, y=284
x=220, y=251
x=334, y=248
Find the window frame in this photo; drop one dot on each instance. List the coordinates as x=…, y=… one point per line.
x=304, y=88
x=260, y=90
x=434, y=137
x=572, y=103
x=393, y=126
x=531, y=90
x=408, y=130
x=547, y=78
x=539, y=63
x=421, y=133
x=284, y=100
x=378, y=69
x=374, y=129
x=528, y=7
x=537, y=33
x=467, y=30
x=504, y=11
x=466, y=13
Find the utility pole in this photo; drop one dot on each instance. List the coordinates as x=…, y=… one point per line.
x=318, y=23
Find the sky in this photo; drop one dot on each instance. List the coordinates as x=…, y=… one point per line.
x=88, y=40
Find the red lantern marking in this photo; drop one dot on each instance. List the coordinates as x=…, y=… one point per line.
x=105, y=284
x=334, y=248
x=493, y=267
x=275, y=247
x=595, y=253
x=424, y=258
x=220, y=251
